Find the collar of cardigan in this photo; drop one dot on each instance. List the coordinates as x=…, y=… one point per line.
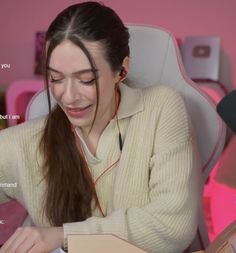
x=131, y=101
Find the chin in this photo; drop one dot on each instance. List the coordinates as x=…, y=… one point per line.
x=81, y=123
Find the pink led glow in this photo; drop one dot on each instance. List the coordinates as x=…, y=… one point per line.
x=219, y=200
x=223, y=206
x=215, y=93
x=220, y=209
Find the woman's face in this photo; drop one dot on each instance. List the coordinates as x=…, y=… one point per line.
x=72, y=84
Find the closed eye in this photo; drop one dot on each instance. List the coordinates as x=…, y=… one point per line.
x=89, y=82
x=55, y=80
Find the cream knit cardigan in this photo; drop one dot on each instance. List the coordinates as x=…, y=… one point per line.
x=150, y=198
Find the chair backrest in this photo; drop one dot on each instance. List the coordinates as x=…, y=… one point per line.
x=155, y=60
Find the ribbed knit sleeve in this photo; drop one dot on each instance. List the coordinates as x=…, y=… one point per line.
x=18, y=163
x=3, y=196
x=7, y=167
x=167, y=223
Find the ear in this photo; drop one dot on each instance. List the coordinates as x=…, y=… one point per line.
x=125, y=64
x=121, y=75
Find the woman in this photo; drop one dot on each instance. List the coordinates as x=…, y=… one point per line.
x=108, y=158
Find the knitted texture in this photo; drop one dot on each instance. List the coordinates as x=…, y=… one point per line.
x=150, y=197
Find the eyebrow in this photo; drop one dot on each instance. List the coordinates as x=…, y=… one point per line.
x=77, y=72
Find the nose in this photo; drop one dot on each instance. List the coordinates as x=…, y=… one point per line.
x=71, y=92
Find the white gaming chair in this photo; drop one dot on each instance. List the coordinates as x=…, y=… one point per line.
x=155, y=60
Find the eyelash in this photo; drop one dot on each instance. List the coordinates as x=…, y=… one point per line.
x=52, y=80
x=90, y=82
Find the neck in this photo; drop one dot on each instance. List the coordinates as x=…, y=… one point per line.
x=91, y=136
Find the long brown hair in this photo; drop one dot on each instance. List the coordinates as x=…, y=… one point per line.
x=70, y=189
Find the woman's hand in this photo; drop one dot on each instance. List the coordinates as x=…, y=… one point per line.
x=34, y=240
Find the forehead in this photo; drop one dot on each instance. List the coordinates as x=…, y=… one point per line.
x=69, y=58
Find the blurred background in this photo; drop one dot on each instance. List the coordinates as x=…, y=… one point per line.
x=21, y=19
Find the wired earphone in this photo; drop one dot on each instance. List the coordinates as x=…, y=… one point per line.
x=123, y=74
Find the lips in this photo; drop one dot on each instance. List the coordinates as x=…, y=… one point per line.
x=77, y=109
x=78, y=112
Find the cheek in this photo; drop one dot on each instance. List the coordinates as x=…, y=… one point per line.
x=106, y=90
x=90, y=95
x=56, y=91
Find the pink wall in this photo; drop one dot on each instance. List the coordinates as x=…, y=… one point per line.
x=19, y=20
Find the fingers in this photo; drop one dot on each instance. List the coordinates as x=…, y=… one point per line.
x=13, y=242
x=34, y=240
x=25, y=246
x=24, y=240
x=38, y=248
